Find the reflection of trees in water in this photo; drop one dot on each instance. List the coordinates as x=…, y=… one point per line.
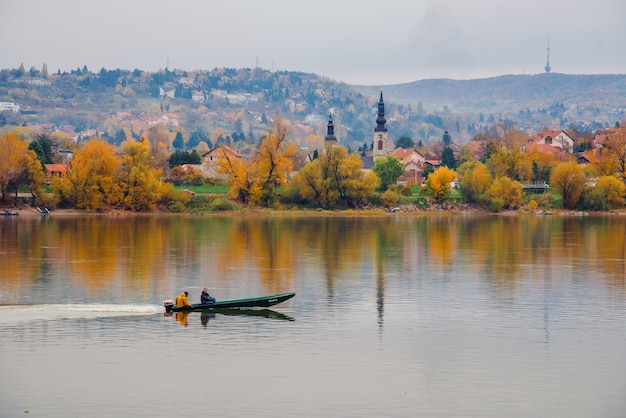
x=104, y=252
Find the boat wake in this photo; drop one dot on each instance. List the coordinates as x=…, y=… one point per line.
x=47, y=312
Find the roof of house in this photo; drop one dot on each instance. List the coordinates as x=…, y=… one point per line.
x=226, y=149
x=545, y=149
x=56, y=168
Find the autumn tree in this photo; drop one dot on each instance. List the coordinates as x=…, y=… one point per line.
x=335, y=178
x=465, y=156
x=257, y=181
x=616, y=145
x=568, y=179
x=274, y=160
x=504, y=193
x=310, y=183
x=347, y=178
x=511, y=162
x=140, y=180
x=475, y=180
x=159, y=147
x=91, y=183
x=608, y=193
x=603, y=162
x=19, y=166
x=438, y=183
x=243, y=177
x=388, y=170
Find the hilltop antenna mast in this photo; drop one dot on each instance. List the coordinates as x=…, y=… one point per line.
x=548, y=68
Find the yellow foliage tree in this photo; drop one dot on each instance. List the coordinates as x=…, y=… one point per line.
x=243, y=177
x=475, y=180
x=256, y=182
x=139, y=179
x=439, y=182
x=510, y=162
x=335, y=178
x=568, y=179
x=91, y=183
x=505, y=193
x=274, y=160
x=310, y=184
x=608, y=193
x=346, y=176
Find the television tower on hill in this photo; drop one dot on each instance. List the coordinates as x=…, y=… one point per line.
x=548, y=68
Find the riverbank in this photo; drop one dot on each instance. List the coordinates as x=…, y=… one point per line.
x=26, y=211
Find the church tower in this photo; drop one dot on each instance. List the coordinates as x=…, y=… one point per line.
x=381, y=138
x=330, y=138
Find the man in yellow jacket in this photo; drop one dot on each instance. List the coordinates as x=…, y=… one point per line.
x=181, y=300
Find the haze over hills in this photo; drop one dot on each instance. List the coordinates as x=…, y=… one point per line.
x=510, y=93
x=243, y=102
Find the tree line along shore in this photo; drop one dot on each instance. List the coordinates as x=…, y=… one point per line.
x=136, y=177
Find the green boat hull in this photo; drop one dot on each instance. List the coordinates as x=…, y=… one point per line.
x=259, y=302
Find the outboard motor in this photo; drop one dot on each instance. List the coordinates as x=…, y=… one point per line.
x=169, y=304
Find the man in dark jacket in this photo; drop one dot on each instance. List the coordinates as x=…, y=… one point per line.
x=205, y=297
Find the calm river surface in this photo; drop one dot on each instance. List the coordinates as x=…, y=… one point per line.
x=437, y=316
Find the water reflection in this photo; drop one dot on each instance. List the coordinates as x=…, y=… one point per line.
x=393, y=313
x=140, y=254
x=205, y=316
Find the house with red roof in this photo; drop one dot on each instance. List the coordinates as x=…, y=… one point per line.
x=555, y=139
x=55, y=170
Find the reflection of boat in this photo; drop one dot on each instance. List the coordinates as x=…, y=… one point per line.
x=266, y=313
x=260, y=302
x=7, y=212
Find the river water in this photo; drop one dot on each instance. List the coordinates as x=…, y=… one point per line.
x=434, y=316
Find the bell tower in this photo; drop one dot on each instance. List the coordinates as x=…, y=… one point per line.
x=381, y=138
x=330, y=138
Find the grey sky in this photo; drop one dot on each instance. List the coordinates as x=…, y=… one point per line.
x=355, y=41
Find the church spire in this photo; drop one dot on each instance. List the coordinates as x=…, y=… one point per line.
x=330, y=135
x=380, y=120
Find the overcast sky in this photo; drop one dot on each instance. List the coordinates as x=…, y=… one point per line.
x=355, y=41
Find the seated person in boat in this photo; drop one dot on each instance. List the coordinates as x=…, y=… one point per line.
x=205, y=297
x=181, y=300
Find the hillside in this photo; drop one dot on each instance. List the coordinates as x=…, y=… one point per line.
x=582, y=98
x=238, y=105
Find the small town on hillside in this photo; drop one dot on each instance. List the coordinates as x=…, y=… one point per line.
x=500, y=166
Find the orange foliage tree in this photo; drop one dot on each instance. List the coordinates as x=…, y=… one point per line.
x=616, y=145
x=91, y=183
x=19, y=165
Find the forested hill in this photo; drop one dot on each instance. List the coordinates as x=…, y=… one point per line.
x=508, y=94
x=238, y=105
